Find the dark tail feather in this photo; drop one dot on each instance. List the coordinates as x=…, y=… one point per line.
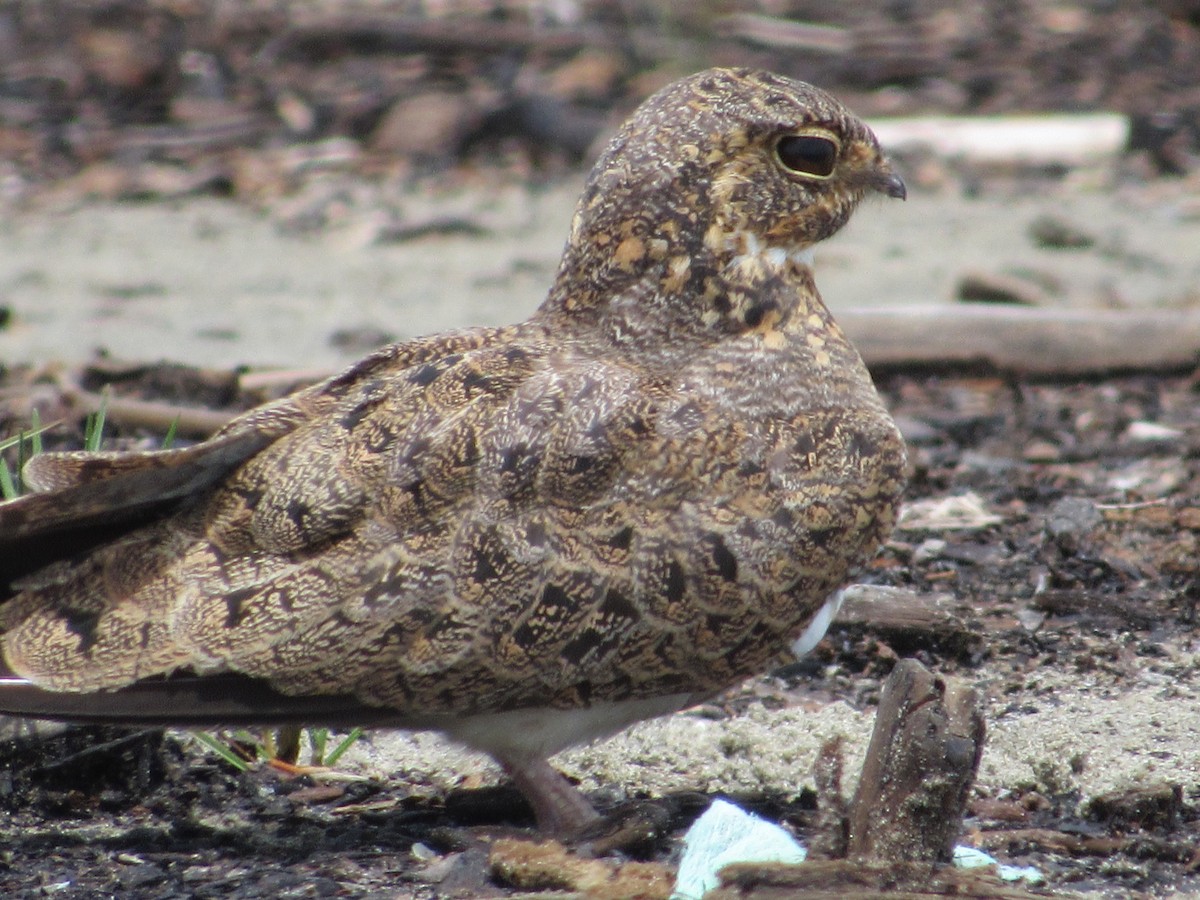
x=84, y=489
x=188, y=701
x=94, y=498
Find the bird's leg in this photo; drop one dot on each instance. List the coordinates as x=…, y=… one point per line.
x=560, y=809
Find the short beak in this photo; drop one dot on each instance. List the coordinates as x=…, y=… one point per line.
x=888, y=182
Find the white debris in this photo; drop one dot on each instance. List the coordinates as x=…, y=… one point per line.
x=961, y=512
x=726, y=834
x=1151, y=431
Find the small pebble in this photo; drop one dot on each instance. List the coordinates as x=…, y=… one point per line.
x=1069, y=519
x=141, y=876
x=1030, y=619
x=928, y=550
x=1041, y=451
x=1057, y=234
x=992, y=287
x=423, y=852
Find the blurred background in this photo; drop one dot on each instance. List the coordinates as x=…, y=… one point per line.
x=212, y=86
x=227, y=182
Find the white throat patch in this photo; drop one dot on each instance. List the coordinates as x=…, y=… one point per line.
x=749, y=248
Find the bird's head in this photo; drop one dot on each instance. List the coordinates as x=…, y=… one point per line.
x=785, y=163
x=725, y=164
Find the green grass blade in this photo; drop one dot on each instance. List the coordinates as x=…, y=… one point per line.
x=35, y=431
x=346, y=743
x=8, y=487
x=317, y=739
x=93, y=431
x=168, y=440
x=32, y=437
x=219, y=747
x=22, y=458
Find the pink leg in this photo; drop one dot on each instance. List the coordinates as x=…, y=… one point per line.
x=560, y=809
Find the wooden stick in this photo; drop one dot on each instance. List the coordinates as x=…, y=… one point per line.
x=841, y=879
x=920, y=766
x=1046, y=342
x=771, y=31
x=319, y=35
x=1026, y=341
x=891, y=612
x=907, y=812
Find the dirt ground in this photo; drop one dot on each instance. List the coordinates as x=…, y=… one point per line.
x=1052, y=530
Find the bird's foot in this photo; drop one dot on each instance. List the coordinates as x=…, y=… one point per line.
x=560, y=809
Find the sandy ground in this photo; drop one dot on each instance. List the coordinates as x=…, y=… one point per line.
x=214, y=284
x=1086, y=734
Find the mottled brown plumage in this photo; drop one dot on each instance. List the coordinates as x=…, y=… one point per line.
x=533, y=535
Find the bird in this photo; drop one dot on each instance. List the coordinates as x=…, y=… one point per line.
x=526, y=536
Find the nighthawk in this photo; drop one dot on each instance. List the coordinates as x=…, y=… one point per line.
x=525, y=537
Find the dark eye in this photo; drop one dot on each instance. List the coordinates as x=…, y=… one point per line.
x=807, y=154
